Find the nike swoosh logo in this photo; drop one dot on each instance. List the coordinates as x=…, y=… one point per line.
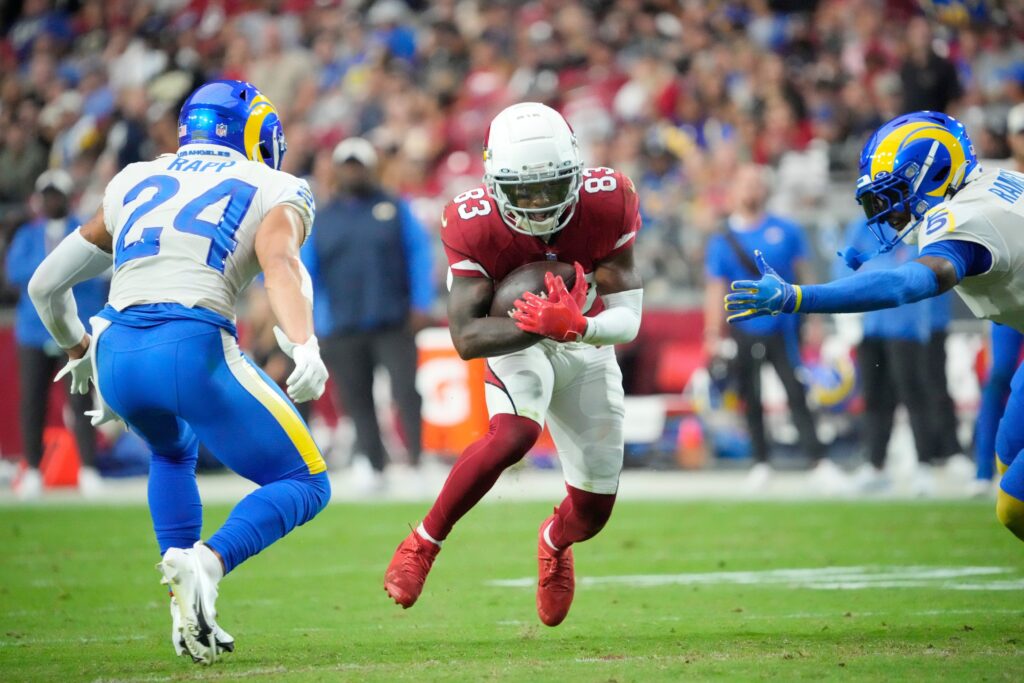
x=444, y=220
x=773, y=297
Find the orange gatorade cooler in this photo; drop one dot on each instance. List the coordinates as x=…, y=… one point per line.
x=454, y=408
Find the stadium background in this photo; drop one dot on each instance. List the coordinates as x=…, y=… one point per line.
x=675, y=94
x=691, y=580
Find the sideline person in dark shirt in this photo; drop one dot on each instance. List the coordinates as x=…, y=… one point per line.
x=370, y=260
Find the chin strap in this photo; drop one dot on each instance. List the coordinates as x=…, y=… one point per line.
x=854, y=258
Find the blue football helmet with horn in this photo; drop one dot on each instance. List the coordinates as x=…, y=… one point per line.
x=234, y=114
x=910, y=165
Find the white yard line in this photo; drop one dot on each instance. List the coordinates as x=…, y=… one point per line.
x=842, y=615
x=83, y=640
x=822, y=578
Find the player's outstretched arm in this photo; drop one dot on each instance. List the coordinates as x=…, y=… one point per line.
x=474, y=334
x=926, y=277
x=84, y=254
x=290, y=292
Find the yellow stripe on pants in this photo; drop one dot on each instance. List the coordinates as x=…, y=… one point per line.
x=285, y=415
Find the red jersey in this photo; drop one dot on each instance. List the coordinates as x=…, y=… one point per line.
x=479, y=243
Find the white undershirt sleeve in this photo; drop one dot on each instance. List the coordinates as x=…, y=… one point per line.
x=619, y=322
x=74, y=260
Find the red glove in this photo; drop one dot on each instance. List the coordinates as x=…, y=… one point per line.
x=557, y=317
x=579, y=286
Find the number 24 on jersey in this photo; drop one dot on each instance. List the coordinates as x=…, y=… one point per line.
x=221, y=234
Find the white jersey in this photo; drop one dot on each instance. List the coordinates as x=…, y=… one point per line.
x=988, y=211
x=184, y=226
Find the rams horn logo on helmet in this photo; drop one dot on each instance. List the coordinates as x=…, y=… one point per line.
x=909, y=166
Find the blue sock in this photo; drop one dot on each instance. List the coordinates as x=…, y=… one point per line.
x=174, y=503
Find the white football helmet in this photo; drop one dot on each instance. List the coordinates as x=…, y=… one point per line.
x=532, y=168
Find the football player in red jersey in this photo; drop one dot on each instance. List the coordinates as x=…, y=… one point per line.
x=553, y=358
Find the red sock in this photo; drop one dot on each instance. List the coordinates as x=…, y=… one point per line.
x=476, y=470
x=580, y=516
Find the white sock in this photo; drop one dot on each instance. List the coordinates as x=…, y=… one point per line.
x=547, y=537
x=209, y=561
x=422, y=533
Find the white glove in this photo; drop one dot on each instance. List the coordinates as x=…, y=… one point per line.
x=307, y=382
x=81, y=373
x=101, y=415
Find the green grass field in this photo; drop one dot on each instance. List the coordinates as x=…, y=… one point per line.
x=916, y=591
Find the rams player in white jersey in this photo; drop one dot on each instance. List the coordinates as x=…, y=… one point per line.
x=920, y=179
x=187, y=232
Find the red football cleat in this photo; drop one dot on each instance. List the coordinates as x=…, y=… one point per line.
x=404, y=578
x=556, y=581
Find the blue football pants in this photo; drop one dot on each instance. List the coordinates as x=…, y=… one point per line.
x=183, y=382
x=1006, y=345
x=1009, y=459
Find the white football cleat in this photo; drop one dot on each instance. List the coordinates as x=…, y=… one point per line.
x=367, y=482
x=828, y=479
x=225, y=641
x=959, y=468
x=758, y=477
x=195, y=593
x=922, y=483
x=982, y=488
x=868, y=479
x=30, y=486
x=90, y=483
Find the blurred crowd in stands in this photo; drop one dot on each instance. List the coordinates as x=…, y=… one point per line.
x=676, y=93
x=679, y=94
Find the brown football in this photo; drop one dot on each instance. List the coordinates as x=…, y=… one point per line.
x=528, y=278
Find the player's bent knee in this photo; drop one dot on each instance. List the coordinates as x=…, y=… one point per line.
x=184, y=449
x=601, y=468
x=511, y=437
x=316, y=492
x=321, y=491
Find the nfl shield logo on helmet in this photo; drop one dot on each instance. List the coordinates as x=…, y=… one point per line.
x=221, y=130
